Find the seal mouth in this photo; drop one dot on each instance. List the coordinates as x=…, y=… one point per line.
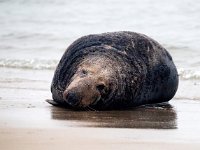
x=102, y=91
x=96, y=100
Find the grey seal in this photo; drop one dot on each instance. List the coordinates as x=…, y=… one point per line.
x=114, y=70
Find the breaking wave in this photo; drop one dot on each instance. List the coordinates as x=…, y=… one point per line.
x=39, y=64
x=29, y=64
x=188, y=73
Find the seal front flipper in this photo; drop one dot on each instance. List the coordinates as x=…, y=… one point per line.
x=52, y=102
x=57, y=104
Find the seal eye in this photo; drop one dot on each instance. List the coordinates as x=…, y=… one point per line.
x=83, y=73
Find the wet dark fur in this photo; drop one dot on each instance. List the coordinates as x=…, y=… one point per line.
x=148, y=74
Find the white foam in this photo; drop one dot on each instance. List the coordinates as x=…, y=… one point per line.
x=28, y=63
x=189, y=73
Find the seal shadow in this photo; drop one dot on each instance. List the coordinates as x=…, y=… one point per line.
x=154, y=116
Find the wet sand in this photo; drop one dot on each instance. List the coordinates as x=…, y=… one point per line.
x=28, y=122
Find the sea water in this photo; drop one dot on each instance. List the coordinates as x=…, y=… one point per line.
x=35, y=33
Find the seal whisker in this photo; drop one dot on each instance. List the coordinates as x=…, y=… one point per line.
x=91, y=108
x=87, y=109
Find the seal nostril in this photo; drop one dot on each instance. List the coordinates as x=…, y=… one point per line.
x=100, y=87
x=72, y=98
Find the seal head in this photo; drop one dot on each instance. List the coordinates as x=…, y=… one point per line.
x=92, y=82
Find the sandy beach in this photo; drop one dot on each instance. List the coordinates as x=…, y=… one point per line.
x=28, y=122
